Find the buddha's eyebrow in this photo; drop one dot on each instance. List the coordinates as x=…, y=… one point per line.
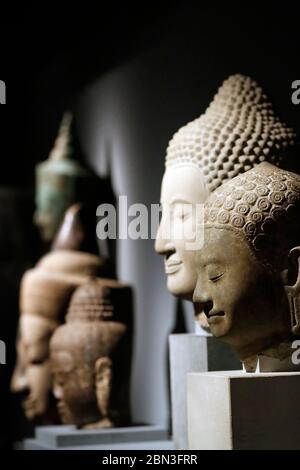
x=180, y=201
x=203, y=263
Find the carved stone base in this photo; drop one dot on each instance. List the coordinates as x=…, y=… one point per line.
x=238, y=410
x=193, y=353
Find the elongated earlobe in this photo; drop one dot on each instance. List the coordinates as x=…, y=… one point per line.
x=292, y=289
x=103, y=376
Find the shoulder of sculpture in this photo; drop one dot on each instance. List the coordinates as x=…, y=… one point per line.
x=71, y=261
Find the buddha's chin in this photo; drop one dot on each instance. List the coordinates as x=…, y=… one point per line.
x=202, y=321
x=46, y=234
x=34, y=406
x=64, y=413
x=218, y=327
x=179, y=286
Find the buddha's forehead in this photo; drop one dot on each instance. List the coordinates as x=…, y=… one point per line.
x=222, y=246
x=62, y=360
x=34, y=327
x=76, y=340
x=183, y=183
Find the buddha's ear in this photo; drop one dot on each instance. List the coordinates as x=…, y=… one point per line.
x=291, y=279
x=103, y=369
x=103, y=378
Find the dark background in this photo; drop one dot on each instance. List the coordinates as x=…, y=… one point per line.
x=48, y=53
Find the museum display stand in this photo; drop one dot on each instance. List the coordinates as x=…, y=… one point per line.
x=235, y=410
x=66, y=437
x=194, y=352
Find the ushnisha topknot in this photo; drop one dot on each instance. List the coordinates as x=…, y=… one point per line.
x=237, y=131
x=262, y=207
x=91, y=302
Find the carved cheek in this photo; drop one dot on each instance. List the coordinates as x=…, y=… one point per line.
x=86, y=379
x=63, y=361
x=79, y=384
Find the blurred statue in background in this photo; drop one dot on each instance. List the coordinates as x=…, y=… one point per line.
x=250, y=291
x=91, y=355
x=44, y=296
x=60, y=182
x=237, y=131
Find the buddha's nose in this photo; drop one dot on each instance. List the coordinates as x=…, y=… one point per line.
x=19, y=382
x=37, y=217
x=202, y=300
x=163, y=244
x=57, y=391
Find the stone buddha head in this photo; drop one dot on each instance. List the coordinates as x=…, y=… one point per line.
x=248, y=280
x=60, y=182
x=44, y=296
x=32, y=373
x=89, y=358
x=237, y=131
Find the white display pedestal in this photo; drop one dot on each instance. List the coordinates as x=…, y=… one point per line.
x=239, y=410
x=193, y=353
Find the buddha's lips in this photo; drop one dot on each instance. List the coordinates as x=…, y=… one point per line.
x=29, y=403
x=61, y=407
x=171, y=266
x=207, y=310
x=213, y=313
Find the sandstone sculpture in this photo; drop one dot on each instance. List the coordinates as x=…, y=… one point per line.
x=44, y=296
x=238, y=131
x=90, y=356
x=249, y=291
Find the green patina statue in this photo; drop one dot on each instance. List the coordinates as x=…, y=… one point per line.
x=60, y=182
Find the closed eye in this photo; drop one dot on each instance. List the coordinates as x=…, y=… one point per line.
x=185, y=216
x=216, y=278
x=182, y=215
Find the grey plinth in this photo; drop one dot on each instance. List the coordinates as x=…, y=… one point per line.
x=193, y=353
x=238, y=410
x=68, y=437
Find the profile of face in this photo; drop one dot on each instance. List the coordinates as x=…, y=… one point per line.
x=50, y=209
x=81, y=379
x=182, y=189
x=244, y=304
x=32, y=373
